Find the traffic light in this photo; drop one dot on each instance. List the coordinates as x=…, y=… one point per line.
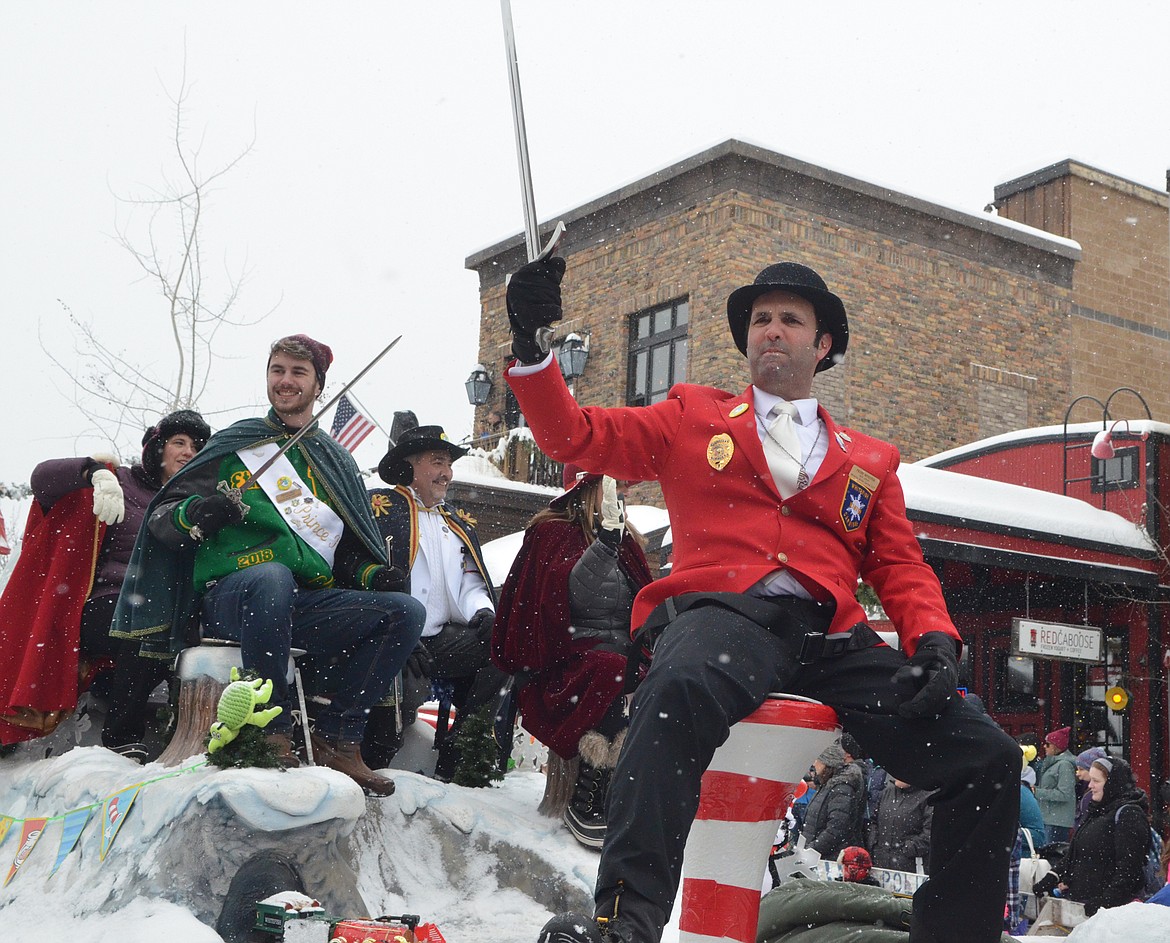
x=1116, y=698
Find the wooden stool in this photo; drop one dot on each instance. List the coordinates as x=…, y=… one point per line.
x=203, y=672
x=746, y=792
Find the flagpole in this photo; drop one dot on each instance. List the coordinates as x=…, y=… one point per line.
x=369, y=415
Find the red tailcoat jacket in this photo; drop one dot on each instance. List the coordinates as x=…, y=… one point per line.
x=730, y=526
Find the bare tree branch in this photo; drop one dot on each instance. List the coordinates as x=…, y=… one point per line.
x=115, y=390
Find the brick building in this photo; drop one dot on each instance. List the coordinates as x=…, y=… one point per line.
x=962, y=326
x=1119, y=329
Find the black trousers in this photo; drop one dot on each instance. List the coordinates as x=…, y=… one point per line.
x=460, y=658
x=464, y=660
x=134, y=677
x=713, y=667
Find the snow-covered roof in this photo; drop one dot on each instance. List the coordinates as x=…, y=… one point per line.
x=476, y=469
x=982, y=221
x=1041, y=433
x=982, y=501
x=978, y=502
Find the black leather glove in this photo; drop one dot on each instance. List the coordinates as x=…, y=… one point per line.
x=388, y=579
x=534, y=301
x=608, y=536
x=927, y=682
x=481, y=624
x=1047, y=884
x=213, y=513
x=419, y=664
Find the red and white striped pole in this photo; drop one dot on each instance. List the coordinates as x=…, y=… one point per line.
x=746, y=791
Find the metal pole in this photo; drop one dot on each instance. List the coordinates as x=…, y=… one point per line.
x=531, y=237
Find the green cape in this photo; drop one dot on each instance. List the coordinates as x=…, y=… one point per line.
x=158, y=598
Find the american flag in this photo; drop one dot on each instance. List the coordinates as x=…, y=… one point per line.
x=349, y=426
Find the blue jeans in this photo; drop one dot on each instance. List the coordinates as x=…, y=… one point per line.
x=264, y=610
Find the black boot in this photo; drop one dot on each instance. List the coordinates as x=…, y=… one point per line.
x=585, y=816
x=577, y=928
x=448, y=759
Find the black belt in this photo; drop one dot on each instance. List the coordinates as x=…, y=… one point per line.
x=801, y=624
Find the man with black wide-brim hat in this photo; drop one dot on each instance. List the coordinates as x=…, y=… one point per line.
x=435, y=544
x=776, y=513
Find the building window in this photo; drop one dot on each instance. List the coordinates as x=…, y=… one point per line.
x=513, y=418
x=1015, y=678
x=1119, y=472
x=658, y=352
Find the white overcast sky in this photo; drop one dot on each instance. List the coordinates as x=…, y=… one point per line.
x=384, y=152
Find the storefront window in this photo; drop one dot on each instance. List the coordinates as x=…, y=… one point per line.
x=1016, y=680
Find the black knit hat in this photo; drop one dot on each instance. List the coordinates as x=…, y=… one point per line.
x=394, y=468
x=155, y=438
x=799, y=280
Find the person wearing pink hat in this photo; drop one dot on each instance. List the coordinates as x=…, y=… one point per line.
x=1056, y=785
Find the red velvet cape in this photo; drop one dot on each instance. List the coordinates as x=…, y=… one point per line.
x=571, y=686
x=40, y=610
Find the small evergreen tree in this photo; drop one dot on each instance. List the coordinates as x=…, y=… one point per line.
x=250, y=748
x=478, y=754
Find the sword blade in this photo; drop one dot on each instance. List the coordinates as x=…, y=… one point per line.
x=531, y=237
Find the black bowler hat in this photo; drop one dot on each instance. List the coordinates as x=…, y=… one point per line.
x=799, y=280
x=394, y=468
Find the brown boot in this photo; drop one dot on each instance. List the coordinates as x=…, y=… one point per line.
x=285, y=754
x=345, y=756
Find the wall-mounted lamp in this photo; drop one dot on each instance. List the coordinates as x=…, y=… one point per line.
x=478, y=385
x=572, y=356
x=1102, y=447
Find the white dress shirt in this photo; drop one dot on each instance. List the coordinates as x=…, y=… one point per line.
x=814, y=446
x=459, y=592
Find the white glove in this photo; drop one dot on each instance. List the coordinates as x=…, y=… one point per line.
x=109, y=507
x=612, y=512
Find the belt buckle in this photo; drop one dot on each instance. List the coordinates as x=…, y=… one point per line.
x=812, y=648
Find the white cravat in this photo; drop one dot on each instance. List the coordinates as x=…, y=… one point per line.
x=783, y=451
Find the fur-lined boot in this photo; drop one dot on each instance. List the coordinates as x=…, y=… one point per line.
x=585, y=815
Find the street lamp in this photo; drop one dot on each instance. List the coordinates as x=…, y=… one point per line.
x=1102, y=447
x=478, y=385
x=572, y=355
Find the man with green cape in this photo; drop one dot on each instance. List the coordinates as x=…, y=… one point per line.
x=297, y=562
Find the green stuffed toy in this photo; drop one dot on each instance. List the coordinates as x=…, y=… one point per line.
x=237, y=708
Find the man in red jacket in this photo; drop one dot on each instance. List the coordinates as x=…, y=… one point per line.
x=776, y=512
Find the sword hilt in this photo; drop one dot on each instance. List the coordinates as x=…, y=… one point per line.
x=235, y=495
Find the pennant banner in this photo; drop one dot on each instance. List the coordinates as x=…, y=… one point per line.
x=114, y=809
x=29, y=836
x=72, y=827
x=114, y=814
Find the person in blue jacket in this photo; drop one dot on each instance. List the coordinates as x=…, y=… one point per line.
x=1030, y=815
